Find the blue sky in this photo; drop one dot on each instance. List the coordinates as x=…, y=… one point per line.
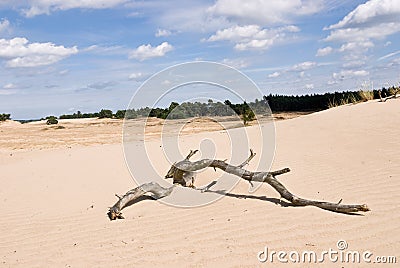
x=67, y=55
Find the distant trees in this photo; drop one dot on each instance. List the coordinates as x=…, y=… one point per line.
x=51, y=120
x=78, y=114
x=4, y=117
x=316, y=102
x=120, y=114
x=247, y=111
x=104, y=113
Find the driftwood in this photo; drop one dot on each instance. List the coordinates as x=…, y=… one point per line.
x=183, y=175
x=394, y=96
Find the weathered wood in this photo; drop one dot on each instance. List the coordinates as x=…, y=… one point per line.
x=183, y=174
x=156, y=191
x=394, y=96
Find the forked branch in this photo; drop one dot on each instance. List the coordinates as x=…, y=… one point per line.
x=183, y=174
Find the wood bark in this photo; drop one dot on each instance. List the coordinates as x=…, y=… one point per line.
x=183, y=174
x=389, y=97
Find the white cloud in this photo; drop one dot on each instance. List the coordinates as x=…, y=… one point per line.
x=377, y=11
x=389, y=55
x=106, y=50
x=377, y=31
x=184, y=16
x=38, y=7
x=4, y=24
x=144, y=52
x=303, y=66
x=345, y=74
x=275, y=74
x=300, y=68
x=265, y=12
x=18, y=52
x=309, y=86
x=236, y=63
x=253, y=36
x=356, y=46
x=375, y=19
x=8, y=89
x=163, y=33
x=353, y=64
x=358, y=31
x=136, y=76
x=63, y=72
x=324, y=51
x=9, y=86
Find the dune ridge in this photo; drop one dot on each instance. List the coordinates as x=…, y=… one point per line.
x=54, y=201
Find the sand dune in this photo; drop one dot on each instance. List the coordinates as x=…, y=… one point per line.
x=54, y=201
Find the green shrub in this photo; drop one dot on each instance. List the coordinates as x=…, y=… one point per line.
x=248, y=116
x=120, y=114
x=105, y=113
x=51, y=120
x=4, y=117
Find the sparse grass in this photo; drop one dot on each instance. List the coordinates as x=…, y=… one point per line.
x=366, y=95
x=332, y=103
x=350, y=98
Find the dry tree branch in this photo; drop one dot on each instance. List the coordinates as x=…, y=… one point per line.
x=183, y=174
x=153, y=188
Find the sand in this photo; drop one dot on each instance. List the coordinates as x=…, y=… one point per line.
x=54, y=197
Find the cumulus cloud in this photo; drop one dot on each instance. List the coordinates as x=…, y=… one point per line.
x=18, y=52
x=377, y=31
x=345, y=74
x=38, y=7
x=377, y=11
x=356, y=46
x=358, y=31
x=274, y=74
x=324, y=51
x=307, y=65
x=265, y=12
x=144, y=52
x=375, y=19
x=136, y=76
x=253, y=36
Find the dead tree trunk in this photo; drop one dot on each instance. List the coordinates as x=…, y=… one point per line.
x=394, y=96
x=182, y=174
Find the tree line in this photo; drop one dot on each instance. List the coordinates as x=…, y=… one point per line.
x=246, y=110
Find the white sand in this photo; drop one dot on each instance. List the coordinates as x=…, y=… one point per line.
x=54, y=201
